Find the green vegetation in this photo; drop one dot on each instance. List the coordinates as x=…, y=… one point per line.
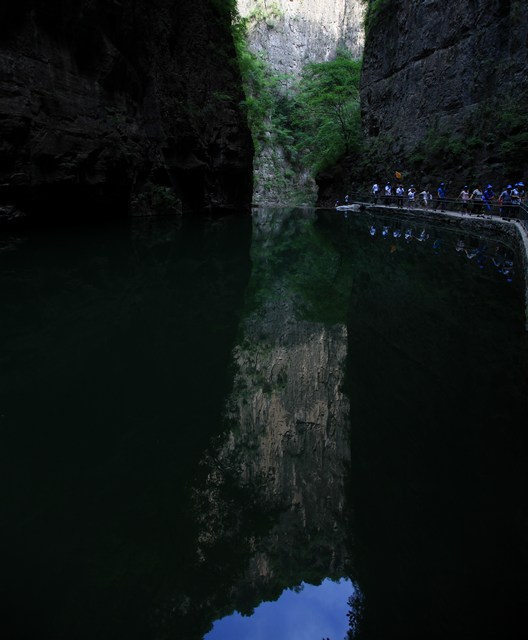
x=156, y=198
x=262, y=13
x=497, y=130
x=512, y=134
x=327, y=111
x=314, y=121
x=301, y=264
x=436, y=148
x=374, y=9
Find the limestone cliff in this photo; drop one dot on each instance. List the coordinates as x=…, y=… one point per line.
x=120, y=106
x=293, y=33
x=288, y=34
x=444, y=88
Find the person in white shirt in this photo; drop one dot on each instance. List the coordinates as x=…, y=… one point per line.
x=375, y=193
x=476, y=198
x=424, y=197
x=388, y=193
x=411, y=196
x=463, y=196
x=400, y=192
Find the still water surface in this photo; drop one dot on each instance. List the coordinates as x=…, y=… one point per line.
x=222, y=428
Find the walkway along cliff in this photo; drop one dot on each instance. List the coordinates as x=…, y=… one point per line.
x=443, y=94
x=110, y=107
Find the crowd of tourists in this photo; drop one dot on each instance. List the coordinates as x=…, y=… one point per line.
x=477, y=200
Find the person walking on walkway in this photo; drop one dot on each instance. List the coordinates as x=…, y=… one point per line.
x=425, y=197
x=411, y=195
x=522, y=192
x=463, y=196
x=505, y=201
x=487, y=197
x=516, y=201
x=388, y=193
x=400, y=192
x=440, y=197
x=375, y=193
x=476, y=199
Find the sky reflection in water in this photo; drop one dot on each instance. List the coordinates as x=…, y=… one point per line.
x=315, y=612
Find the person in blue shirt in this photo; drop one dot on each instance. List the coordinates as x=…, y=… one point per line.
x=441, y=197
x=487, y=197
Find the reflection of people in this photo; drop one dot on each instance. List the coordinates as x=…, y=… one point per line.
x=508, y=270
x=498, y=259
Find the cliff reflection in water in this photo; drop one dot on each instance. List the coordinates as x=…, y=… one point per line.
x=408, y=475
x=185, y=433
x=288, y=442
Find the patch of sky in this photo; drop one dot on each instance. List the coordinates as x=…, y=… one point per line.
x=309, y=612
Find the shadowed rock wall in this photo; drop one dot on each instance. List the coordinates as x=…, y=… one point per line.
x=445, y=85
x=110, y=106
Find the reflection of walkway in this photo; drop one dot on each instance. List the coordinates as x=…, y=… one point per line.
x=502, y=225
x=502, y=257
x=424, y=213
x=356, y=206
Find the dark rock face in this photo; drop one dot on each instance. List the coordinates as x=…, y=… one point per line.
x=121, y=106
x=444, y=87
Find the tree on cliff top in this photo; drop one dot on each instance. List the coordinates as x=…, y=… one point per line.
x=328, y=117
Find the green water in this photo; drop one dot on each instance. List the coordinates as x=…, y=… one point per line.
x=198, y=414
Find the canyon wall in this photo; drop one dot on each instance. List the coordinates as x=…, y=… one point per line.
x=288, y=35
x=444, y=88
x=293, y=33
x=118, y=107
